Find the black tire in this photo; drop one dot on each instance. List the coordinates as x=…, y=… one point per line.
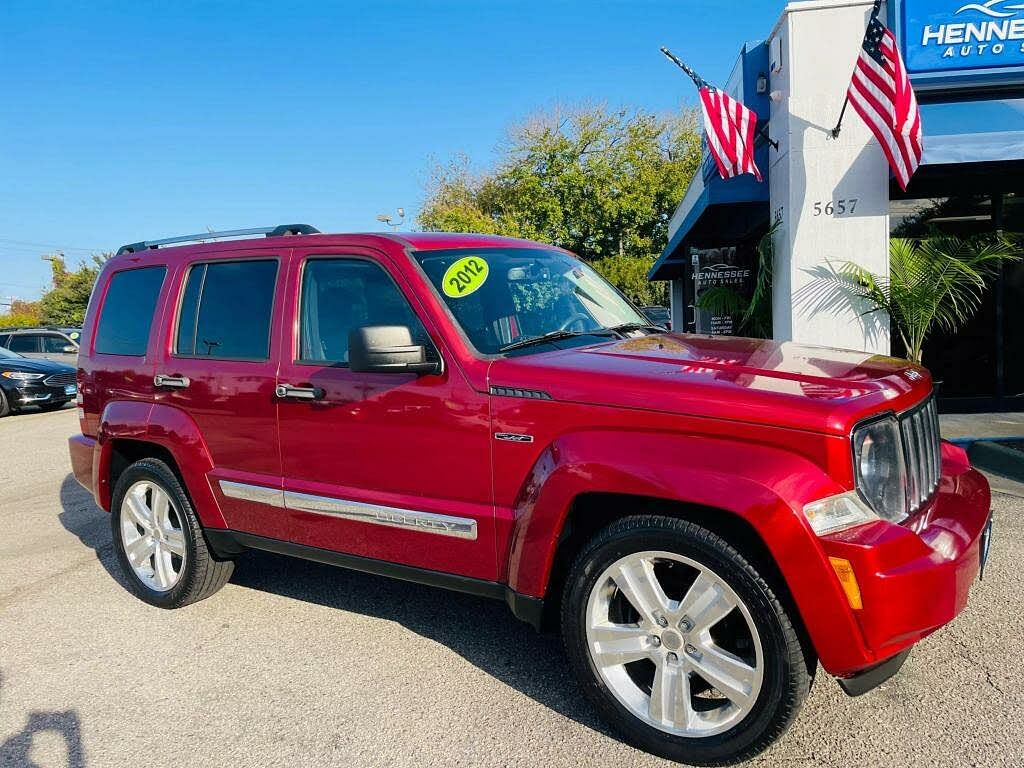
x=786, y=672
x=5, y=406
x=202, y=574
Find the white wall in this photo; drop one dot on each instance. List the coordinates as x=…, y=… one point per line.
x=813, y=49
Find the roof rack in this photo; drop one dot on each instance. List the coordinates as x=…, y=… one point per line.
x=34, y=328
x=279, y=231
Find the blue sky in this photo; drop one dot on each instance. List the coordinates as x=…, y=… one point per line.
x=134, y=120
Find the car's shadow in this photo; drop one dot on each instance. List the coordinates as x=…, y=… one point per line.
x=482, y=631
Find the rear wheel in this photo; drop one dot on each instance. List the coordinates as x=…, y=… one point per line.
x=158, y=539
x=680, y=643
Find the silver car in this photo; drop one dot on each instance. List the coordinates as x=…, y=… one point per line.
x=51, y=343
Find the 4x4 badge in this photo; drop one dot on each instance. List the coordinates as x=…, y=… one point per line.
x=512, y=437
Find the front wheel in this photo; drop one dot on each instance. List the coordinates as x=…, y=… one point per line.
x=680, y=643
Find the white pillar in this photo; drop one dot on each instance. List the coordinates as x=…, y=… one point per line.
x=677, y=304
x=832, y=194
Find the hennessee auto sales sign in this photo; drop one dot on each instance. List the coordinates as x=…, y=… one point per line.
x=944, y=35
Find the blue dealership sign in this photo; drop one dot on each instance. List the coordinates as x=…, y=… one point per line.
x=946, y=40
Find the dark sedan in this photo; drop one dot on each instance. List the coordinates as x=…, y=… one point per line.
x=43, y=383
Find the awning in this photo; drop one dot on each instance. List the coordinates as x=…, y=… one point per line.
x=979, y=131
x=714, y=212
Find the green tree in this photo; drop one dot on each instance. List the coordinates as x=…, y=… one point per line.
x=629, y=275
x=22, y=314
x=600, y=183
x=66, y=302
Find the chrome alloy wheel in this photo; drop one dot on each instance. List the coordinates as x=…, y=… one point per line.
x=674, y=644
x=152, y=536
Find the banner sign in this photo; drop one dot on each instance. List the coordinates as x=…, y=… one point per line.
x=949, y=36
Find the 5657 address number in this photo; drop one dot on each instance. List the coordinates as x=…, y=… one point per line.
x=835, y=207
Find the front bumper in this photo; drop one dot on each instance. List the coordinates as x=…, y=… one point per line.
x=36, y=393
x=915, y=577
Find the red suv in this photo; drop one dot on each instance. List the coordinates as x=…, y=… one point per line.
x=706, y=518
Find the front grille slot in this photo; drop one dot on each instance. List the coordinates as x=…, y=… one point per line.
x=60, y=379
x=919, y=430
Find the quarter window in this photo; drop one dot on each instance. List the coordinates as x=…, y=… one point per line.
x=226, y=310
x=127, y=313
x=340, y=295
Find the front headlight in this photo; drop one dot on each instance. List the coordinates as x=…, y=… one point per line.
x=20, y=376
x=878, y=468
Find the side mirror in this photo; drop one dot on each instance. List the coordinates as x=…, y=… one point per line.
x=387, y=349
x=70, y=349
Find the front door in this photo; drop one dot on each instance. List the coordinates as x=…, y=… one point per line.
x=390, y=466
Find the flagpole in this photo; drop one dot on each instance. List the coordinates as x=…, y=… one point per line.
x=701, y=83
x=697, y=79
x=842, y=113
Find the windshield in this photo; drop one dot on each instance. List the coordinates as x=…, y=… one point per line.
x=4, y=352
x=501, y=296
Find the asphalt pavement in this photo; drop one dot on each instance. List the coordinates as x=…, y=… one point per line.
x=298, y=664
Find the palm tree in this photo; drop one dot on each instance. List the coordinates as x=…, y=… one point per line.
x=933, y=282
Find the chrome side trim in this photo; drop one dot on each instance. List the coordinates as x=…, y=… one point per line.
x=428, y=522
x=394, y=517
x=260, y=494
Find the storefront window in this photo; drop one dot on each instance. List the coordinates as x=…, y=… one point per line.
x=981, y=366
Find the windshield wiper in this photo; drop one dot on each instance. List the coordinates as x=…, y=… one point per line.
x=551, y=336
x=623, y=327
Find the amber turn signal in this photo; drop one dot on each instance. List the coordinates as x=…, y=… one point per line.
x=844, y=570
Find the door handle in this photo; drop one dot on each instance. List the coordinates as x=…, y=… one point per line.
x=171, y=382
x=284, y=391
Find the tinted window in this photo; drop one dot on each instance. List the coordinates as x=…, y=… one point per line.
x=127, y=312
x=55, y=343
x=226, y=310
x=24, y=343
x=339, y=295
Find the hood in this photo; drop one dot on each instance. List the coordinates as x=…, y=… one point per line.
x=753, y=380
x=33, y=365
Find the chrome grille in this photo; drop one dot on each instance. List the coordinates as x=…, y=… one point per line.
x=919, y=430
x=60, y=379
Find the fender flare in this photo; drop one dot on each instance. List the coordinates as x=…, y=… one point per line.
x=173, y=430
x=761, y=484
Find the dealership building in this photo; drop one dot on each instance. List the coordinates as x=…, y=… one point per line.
x=833, y=198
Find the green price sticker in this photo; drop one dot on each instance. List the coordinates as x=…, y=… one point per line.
x=464, y=276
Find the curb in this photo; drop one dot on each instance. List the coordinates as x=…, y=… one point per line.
x=997, y=459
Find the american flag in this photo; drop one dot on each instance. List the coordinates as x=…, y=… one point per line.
x=730, y=131
x=881, y=94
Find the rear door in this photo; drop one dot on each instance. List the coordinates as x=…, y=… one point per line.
x=218, y=366
x=391, y=466
x=27, y=344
